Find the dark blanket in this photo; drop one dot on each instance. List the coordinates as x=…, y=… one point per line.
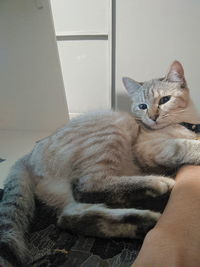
x=50, y=246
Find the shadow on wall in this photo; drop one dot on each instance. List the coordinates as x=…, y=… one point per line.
x=123, y=102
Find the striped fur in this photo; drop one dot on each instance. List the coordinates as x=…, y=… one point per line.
x=98, y=167
x=16, y=210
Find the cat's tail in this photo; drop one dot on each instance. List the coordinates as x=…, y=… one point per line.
x=16, y=210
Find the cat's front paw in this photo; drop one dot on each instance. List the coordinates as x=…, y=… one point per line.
x=160, y=186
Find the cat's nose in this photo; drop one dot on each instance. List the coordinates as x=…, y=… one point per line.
x=154, y=117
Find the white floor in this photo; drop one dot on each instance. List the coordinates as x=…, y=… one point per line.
x=13, y=145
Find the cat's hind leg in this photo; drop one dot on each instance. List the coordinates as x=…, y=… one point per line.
x=98, y=220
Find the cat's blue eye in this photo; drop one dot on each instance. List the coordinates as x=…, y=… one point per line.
x=164, y=99
x=142, y=106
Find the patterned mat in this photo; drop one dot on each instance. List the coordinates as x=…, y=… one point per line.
x=52, y=247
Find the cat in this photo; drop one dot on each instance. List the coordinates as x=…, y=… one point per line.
x=95, y=168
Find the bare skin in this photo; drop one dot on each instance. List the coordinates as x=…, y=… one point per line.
x=175, y=240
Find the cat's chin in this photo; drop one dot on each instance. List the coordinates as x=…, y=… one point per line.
x=151, y=125
x=158, y=126
x=155, y=126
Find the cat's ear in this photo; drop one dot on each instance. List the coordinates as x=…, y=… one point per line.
x=176, y=73
x=130, y=85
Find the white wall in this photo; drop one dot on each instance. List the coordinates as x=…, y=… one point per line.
x=150, y=35
x=81, y=15
x=86, y=74
x=83, y=29
x=31, y=87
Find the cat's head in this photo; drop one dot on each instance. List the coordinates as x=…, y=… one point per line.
x=160, y=102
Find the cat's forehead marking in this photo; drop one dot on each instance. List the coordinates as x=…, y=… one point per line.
x=147, y=90
x=157, y=88
x=140, y=97
x=151, y=91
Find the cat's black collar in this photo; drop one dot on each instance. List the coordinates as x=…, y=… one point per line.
x=192, y=127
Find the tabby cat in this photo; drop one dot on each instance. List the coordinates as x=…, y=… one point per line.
x=95, y=168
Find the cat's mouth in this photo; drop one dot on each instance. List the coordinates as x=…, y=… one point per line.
x=153, y=125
